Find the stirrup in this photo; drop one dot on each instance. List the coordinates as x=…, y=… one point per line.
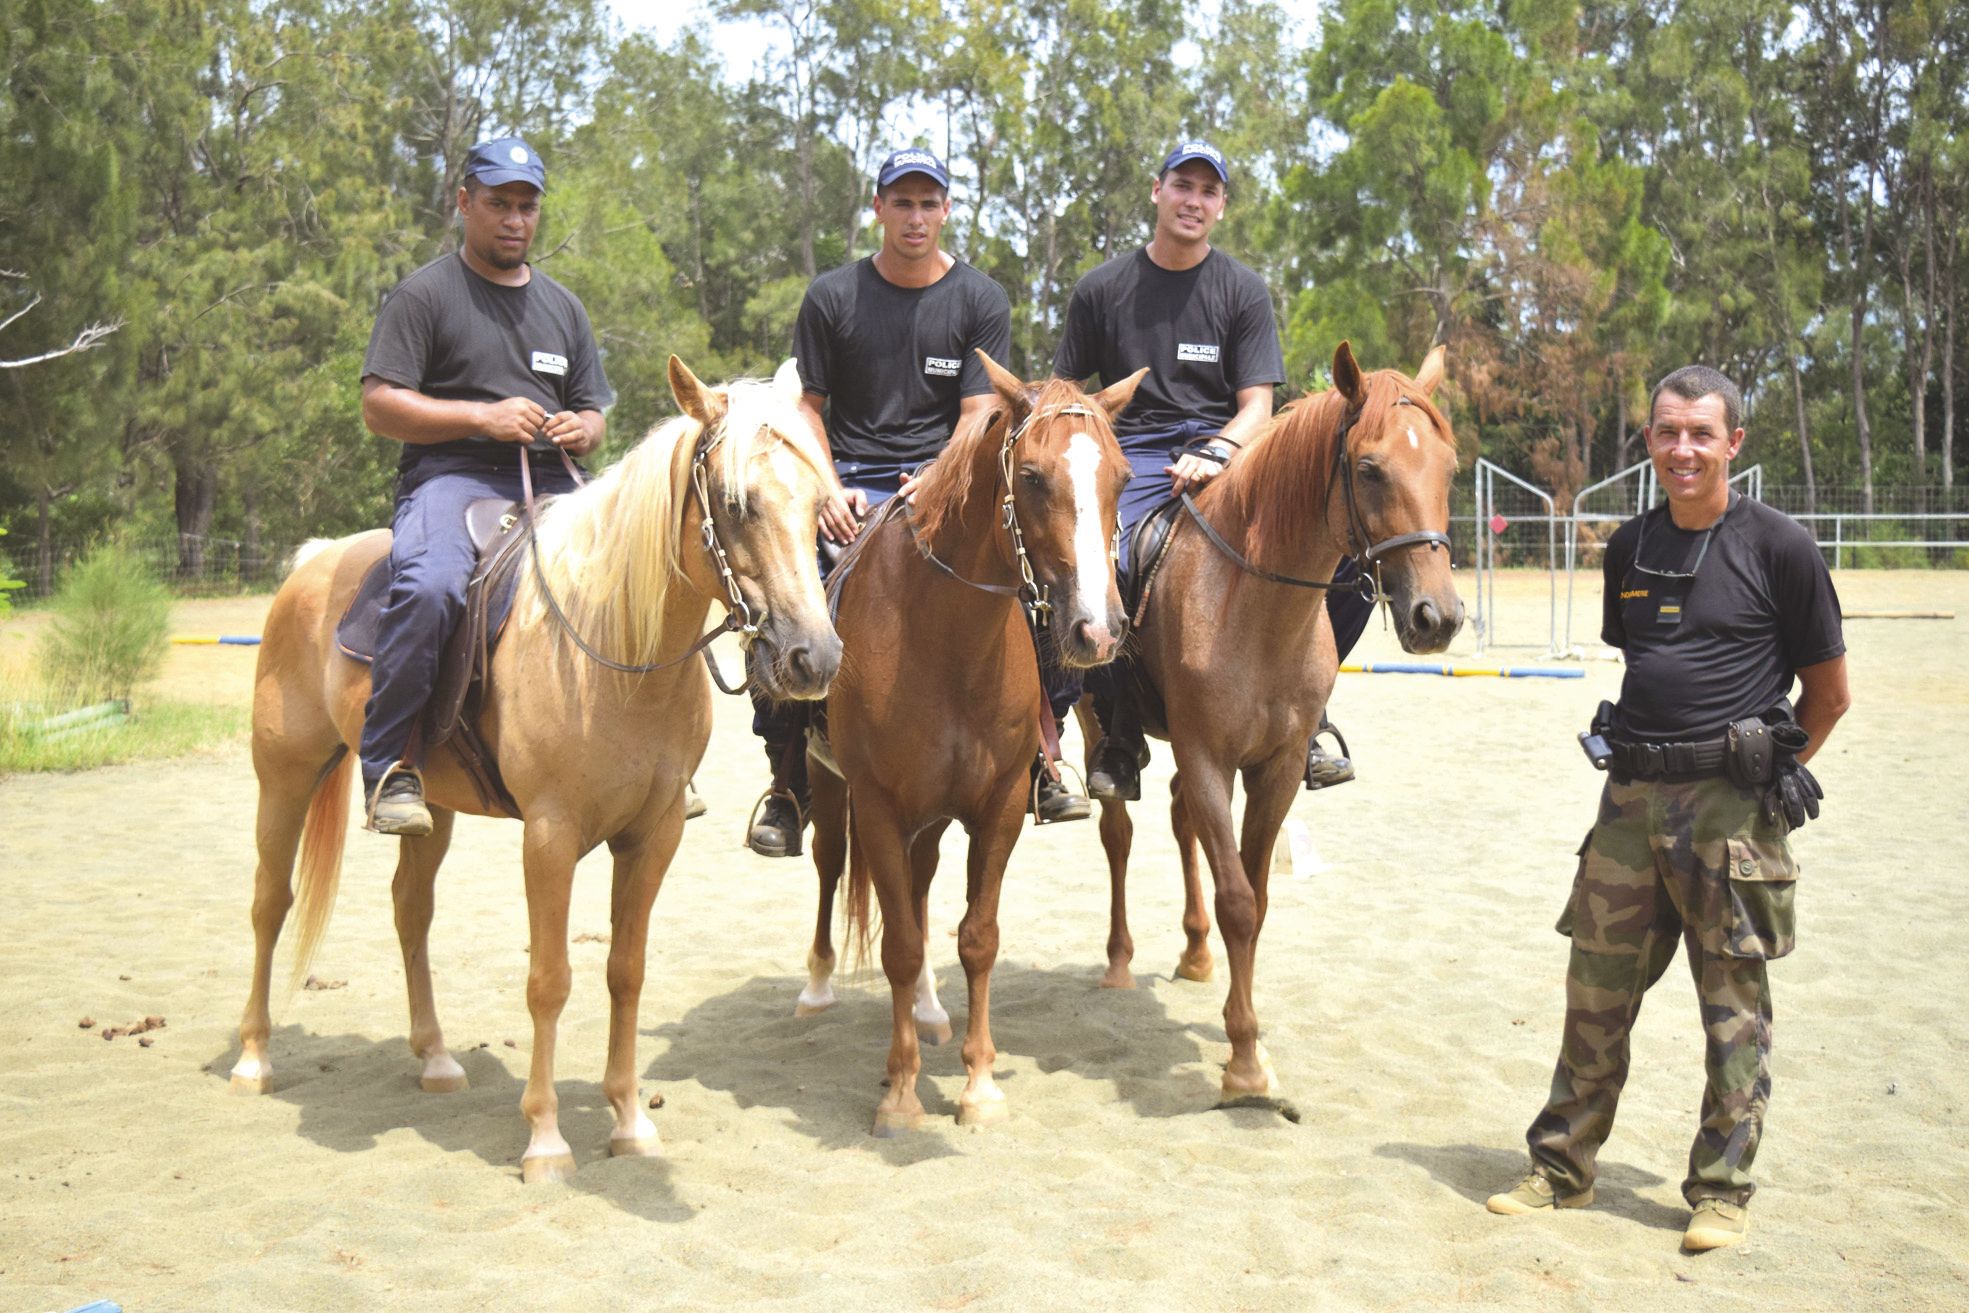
x=376, y=797
x=1342, y=771
x=794, y=847
x=1032, y=796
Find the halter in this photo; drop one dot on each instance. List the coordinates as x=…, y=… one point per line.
x=1369, y=553
x=1034, y=595
x=738, y=614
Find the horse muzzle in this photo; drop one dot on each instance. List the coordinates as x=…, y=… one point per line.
x=795, y=667
x=1426, y=624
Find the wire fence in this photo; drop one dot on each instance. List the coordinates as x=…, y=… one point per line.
x=1516, y=527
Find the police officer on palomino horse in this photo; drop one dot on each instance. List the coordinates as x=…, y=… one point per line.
x=1717, y=602
x=1202, y=322
x=473, y=356
x=887, y=357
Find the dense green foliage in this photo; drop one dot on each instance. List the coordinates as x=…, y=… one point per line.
x=111, y=629
x=1575, y=196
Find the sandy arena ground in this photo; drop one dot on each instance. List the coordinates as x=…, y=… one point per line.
x=1409, y=989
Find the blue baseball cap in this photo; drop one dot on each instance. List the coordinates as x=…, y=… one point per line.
x=912, y=159
x=1197, y=149
x=503, y=160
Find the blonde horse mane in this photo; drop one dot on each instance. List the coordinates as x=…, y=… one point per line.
x=611, y=549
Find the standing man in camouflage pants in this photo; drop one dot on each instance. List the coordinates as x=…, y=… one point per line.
x=1717, y=603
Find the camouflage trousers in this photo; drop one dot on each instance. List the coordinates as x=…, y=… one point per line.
x=1695, y=863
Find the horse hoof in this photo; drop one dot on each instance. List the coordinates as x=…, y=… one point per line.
x=547, y=1167
x=641, y=1146
x=933, y=1033
x=1264, y=1084
x=259, y=1084
x=890, y=1123
x=987, y=1113
x=1199, y=969
x=806, y=1009
x=444, y=1084
x=1118, y=977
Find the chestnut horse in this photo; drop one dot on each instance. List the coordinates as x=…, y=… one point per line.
x=591, y=754
x=1245, y=663
x=935, y=715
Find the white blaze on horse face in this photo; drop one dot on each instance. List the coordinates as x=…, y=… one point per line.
x=1090, y=548
x=1413, y=441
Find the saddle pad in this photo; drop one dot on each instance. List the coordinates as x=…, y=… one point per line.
x=356, y=632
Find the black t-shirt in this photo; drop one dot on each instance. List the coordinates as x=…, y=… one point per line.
x=1204, y=333
x=895, y=363
x=1703, y=652
x=448, y=333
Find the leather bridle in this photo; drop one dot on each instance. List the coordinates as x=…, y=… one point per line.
x=1362, y=546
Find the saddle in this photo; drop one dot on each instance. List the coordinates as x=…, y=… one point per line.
x=498, y=530
x=1146, y=545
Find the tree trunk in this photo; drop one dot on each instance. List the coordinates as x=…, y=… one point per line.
x=1954, y=308
x=250, y=564
x=196, y=493
x=44, y=540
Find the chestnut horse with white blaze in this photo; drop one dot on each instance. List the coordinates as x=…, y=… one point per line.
x=1244, y=661
x=591, y=754
x=935, y=715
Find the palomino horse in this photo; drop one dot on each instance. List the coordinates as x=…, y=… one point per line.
x=718, y=504
x=1244, y=663
x=935, y=715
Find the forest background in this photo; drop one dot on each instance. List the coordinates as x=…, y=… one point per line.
x=1576, y=197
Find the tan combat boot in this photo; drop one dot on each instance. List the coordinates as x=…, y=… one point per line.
x=1533, y=1194
x=1716, y=1224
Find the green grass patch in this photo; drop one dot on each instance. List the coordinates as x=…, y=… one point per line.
x=154, y=731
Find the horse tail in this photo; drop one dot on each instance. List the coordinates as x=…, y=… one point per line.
x=322, y=833
x=861, y=881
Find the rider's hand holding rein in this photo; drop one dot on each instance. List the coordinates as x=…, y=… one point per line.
x=573, y=432
x=1191, y=472
x=516, y=419
x=841, y=515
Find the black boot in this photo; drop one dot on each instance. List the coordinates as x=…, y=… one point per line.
x=1053, y=800
x=1323, y=771
x=778, y=821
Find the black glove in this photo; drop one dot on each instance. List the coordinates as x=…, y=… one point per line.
x=1793, y=795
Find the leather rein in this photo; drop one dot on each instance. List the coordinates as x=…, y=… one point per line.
x=1030, y=592
x=1368, y=585
x=738, y=615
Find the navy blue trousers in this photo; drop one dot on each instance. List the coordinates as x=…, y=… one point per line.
x=431, y=559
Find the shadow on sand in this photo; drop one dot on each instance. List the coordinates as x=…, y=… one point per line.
x=826, y=1071
x=351, y=1090
x=1477, y=1172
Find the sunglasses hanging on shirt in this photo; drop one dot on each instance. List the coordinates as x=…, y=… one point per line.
x=1669, y=611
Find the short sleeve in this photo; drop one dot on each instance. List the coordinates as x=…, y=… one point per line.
x=810, y=345
x=1259, y=357
x=991, y=332
x=1809, y=621
x=587, y=385
x=1618, y=557
x=1079, y=353
x=401, y=341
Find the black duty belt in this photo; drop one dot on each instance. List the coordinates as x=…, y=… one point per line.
x=1676, y=763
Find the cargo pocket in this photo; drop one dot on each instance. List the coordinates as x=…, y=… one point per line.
x=1566, y=916
x=1759, y=918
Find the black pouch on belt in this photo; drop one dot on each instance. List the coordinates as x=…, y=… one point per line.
x=1747, y=753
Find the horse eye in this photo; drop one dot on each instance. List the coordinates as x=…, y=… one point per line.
x=1033, y=478
x=1370, y=471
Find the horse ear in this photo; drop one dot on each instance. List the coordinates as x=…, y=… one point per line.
x=786, y=380
x=693, y=398
x=1009, y=386
x=1115, y=397
x=1347, y=374
x=1431, y=373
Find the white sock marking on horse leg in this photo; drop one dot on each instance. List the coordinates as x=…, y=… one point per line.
x=1090, y=549
x=640, y=1127
x=928, y=1011
x=252, y=1068
x=442, y=1066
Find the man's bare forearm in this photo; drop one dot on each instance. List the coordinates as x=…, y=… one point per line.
x=404, y=415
